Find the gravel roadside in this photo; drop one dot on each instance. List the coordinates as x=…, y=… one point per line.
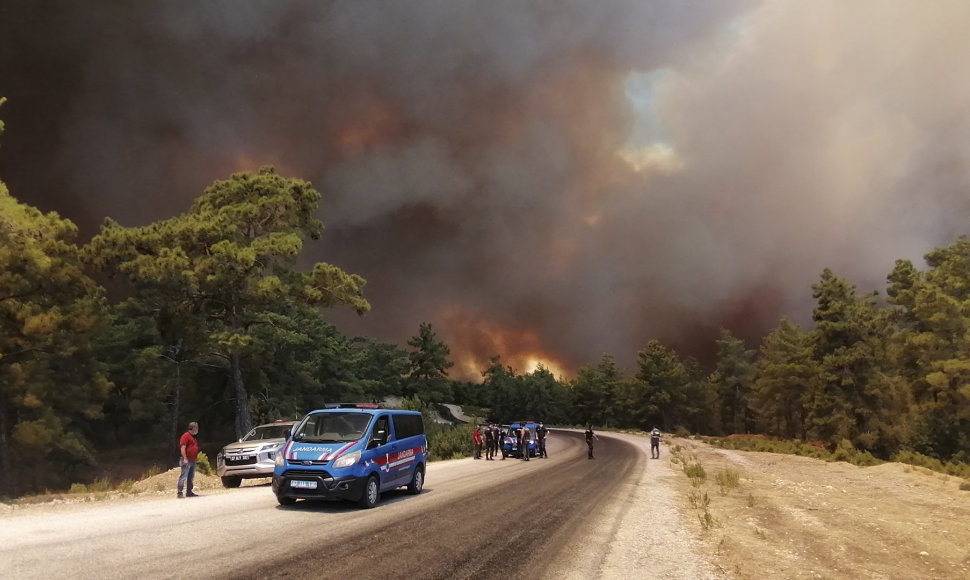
x=641, y=533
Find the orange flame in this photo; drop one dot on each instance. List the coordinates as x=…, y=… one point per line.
x=474, y=341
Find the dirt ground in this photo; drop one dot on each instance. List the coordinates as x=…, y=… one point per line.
x=796, y=517
x=784, y=517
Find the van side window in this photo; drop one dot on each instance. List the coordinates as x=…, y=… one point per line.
x=408, y=425
x=382, y=430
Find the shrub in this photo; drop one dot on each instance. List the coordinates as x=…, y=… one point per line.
x=695, y=471
x=728, y=478
x=152, y=471
x=449, y=441
x=78, y=488
x=100, y=484
x=965, y=486
x=203, y=466
x=956, y=468
x=848, y=453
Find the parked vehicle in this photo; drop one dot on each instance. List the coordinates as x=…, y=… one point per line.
x=510, y=440
x=254, y=455
x=354, y=452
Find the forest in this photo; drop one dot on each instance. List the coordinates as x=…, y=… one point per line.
x=113, y=345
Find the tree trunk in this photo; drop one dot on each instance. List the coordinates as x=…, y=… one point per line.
x=6, y=474
x=243, y=421
x=173, y=439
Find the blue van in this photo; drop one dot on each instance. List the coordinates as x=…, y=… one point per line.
x=353, y=452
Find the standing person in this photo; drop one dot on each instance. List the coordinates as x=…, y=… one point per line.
x=655, y=443
x=541, y=433
x=524, y=445
x=589, y=440
x=190, y=454
x=496, y=439
x=477, y=442
x=500, y=436
x=489, y=443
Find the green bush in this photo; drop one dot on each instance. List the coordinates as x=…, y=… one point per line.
x=203, y=466
x=955, y=468
x=78, y=488
x=100, y=484
x=695, y=471
x=449, y=441
x=848, y=453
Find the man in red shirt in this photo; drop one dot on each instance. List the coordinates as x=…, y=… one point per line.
x=477, y=442
x=190, y=454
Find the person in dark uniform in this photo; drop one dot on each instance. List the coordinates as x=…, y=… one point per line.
x=655, y=443
x=541, y=433
x=500, y=440
x=590, y=436
x=489, y=443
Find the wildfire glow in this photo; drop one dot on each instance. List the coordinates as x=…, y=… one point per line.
x=532, y=364
x=473, y=341
x=370, y=127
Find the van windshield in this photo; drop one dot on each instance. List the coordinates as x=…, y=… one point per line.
x=333, y=427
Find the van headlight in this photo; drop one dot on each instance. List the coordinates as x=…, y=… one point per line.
x=347, y=460
x=279, y=461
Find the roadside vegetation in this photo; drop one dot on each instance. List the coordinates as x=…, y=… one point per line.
x=698, y=497
x=844, y=451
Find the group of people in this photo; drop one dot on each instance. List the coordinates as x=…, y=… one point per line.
x=490, y=437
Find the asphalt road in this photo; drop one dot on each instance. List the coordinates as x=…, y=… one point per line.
x=475, y=519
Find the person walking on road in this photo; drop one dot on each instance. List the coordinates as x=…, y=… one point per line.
x=477, y=442
x=541, y=433
x=590, y=436
x=655, y=444
x=524, y=445
x=189, y=448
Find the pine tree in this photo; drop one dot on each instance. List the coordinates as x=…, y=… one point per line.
x=229, y=262
x=428, y=374
x=51, y=385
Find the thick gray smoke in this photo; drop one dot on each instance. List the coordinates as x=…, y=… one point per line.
x=547, y=181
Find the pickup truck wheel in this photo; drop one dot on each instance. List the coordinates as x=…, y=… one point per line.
x=231, y=481
x=372, y=493
x=286, y=500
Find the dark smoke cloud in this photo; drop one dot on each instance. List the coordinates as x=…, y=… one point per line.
x=541, y=180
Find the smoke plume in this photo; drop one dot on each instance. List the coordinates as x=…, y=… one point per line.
x=546, y=181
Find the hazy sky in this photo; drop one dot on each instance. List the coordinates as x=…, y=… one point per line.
x=541, y=180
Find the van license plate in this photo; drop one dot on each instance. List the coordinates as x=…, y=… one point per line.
x=297, y=484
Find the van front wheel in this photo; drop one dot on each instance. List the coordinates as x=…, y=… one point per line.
x=372, y=493
x=417, y=482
